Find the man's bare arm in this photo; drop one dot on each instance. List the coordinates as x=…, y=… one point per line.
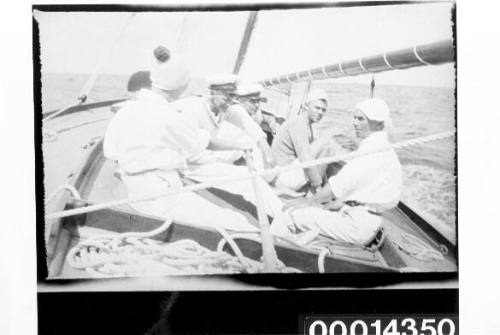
x=221, y=144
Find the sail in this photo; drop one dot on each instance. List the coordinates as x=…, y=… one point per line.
x=282, y=41
x=120, y=43
x=289, y=41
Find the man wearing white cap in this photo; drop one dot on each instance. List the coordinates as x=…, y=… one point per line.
x=295, y=142
x=151, y=142
x=215, y=112
x=209, y=114
x=249, y=97
x=354, y=199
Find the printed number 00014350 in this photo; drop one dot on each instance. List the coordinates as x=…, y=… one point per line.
x=403, y=326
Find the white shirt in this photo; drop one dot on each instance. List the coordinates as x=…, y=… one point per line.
x=150, y=133
x=374, y=179
x=199, y=109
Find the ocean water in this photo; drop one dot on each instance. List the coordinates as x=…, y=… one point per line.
x=428, y=170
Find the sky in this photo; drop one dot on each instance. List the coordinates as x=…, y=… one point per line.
x=282, y=41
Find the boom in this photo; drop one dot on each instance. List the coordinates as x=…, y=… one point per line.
x=426, y=54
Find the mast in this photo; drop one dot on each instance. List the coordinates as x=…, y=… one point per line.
x=252, y=18
x=269, y=255
x=436, y=53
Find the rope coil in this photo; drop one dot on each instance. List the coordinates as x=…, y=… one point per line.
x=135, y=254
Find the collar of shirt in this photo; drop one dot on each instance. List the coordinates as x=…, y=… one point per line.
x=374, y=141
x=151, y=97
x=216, y=119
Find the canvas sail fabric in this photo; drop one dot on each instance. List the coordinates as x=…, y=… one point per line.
x=286, y=41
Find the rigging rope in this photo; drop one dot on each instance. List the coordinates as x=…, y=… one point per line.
x=68, y=187
x=264, y=172
x=51, y=135
x=82, y=96
x=313, y=246
x=136, y=254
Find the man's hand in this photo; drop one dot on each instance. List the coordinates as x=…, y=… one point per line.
x=334, y=205
x=314, y=189
x=222, y=144
x=269, y=159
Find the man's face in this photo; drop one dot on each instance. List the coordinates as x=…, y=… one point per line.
x=315, y=110
x=361, y=125
x=251, y=105
x=220, y=102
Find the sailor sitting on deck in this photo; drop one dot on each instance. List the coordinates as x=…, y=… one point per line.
x=208, y=114
x=295, y=143
x=231, y=128
x=367, y=185
x=248, y=97
x=152, y=141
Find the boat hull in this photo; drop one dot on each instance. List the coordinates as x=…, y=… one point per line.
x=95, y=181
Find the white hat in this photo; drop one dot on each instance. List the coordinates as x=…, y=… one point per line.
x=249, y=90
x=375, y=109
x=168, y=73
x=222, y=82
x=317, y=94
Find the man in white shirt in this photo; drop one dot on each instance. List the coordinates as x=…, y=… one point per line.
x=349, y=207
x=210, y=113
x=249, y=97
x=222, y=118
x=152, y=141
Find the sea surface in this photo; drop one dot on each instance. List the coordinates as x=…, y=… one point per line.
x=429, y=173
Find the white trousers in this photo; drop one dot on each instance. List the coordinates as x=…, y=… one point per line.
x=187, y=207
x=350, y=224
x=293, y=179
x=209, y=172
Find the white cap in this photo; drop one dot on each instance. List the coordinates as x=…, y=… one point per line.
x=375, y=109
x=170, y=74
x=317, y=94
x=245, y=90
x=223, y=82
